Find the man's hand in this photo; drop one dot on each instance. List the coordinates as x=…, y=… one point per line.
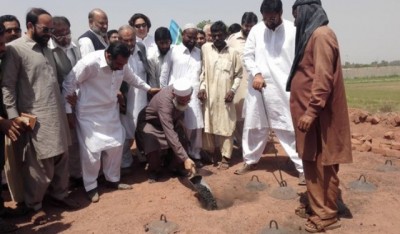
x=71, y=120
x=258, y=82
x=72, y=99
x=10, y=128
x=22, y=126
x=190, y=166
x=304, y=123
x=154, y=91
x=202, y=95
x=229, y=96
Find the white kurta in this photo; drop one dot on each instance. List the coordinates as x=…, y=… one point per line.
x=148, y=41
x=136, y=98
x=270, y=53
x=97, y=108
x=180, y=63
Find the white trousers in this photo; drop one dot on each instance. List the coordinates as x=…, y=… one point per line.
x=111, y=159
x=255, y=140
x=127, y=159
x=195, y=138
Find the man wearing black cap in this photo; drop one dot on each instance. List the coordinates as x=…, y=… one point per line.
x=319, y=111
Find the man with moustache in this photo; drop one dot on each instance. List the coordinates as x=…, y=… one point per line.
x=268, y=56
x=30, y=86
x=237, y=41
x=183, y=62
x=100, y=133
x=136, y=99
x=156, y=55
x=12, y=27
x=160, y=128
x=95, y=38
x=201, y=38
x=67, y=54
x=319, y=111
x=219, y=80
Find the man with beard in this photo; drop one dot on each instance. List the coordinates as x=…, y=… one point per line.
x=236, y=41
x=12, y=27
x=160, y=128
x=135, y=99
x=100, y=133
x=95, y=38
x=66, y=54
x=183, y=62
x=219, y=80
x=268, y=55
x=30, y=86
x=319, y=111
x=157, y=54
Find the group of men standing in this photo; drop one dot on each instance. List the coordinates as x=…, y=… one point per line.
x=270, y=76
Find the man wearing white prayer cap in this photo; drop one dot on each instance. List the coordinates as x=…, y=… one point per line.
x=160, y=128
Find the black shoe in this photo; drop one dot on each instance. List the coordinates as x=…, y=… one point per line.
x=66, y=203
x=118, y=185
x=198, y=163
x=93, y=195
x=75, y=182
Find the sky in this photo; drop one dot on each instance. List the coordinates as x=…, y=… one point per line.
x=367, y=30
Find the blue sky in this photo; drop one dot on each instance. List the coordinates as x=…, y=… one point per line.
x=368, y=30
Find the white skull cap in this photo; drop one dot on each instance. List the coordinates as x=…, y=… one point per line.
x=182, y=88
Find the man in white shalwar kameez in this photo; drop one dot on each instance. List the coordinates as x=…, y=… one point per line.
x=268, y=56
x=184, y=62
x=100, y=133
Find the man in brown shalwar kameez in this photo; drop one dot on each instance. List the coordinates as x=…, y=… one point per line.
x=160, y=127
x=319, y=110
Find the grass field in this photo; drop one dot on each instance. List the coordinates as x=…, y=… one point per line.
x=377, y=94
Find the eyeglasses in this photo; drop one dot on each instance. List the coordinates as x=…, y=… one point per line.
x=45, y=29
x=10, y=30
x=144, y=25
x=66, y=36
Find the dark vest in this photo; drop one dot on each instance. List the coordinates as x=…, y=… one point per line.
x=95, y=40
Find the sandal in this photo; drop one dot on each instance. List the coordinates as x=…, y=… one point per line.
x=224, y=164
x=314, y=224
x=39, y=218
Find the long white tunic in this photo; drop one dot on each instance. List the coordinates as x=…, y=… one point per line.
x=97, y=108
x=270, y=53
x=136, y=98
x=180, y=63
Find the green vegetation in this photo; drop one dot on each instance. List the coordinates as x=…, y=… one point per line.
x=377, y=94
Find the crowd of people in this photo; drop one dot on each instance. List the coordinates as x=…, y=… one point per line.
x=74, y=109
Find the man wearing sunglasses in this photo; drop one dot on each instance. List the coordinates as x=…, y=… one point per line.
x=30, y=86
x=12, y=27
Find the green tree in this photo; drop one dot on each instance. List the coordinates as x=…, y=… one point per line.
x=201, y=24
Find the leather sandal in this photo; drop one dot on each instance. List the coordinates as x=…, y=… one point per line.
x=314, y=224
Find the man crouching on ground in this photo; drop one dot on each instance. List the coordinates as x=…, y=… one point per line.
x=160, y=127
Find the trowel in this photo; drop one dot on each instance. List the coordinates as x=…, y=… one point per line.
x=203, y=191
